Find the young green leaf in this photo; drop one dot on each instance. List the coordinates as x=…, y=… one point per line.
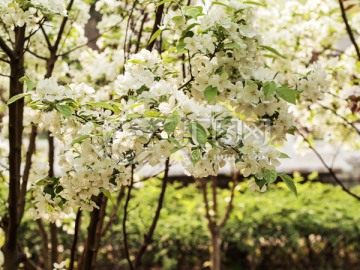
x=195, y=156
x=16, y=97
x=269, y=88
x=287, y=94
x=272, y=50
x=65, y=110
x=283, y=155
x=210, y=93
x=270, y=176
x=155, y=35
x=171, y=123
x=198, y=133
x=289, y=182
x=103, y=105
x=80, y=139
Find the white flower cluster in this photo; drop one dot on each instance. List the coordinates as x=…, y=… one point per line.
x=16, y=13
x=229, y=107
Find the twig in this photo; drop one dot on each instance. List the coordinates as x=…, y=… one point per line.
x=348, y=29
x=343, y=118
x=37, y=55
x=4, y=75
x=149, y=235
x=158, y=17
x=331, y=171
x=114, y=210
x=140, y=32
x=26, y=172
x=185, y=84
x=230, y=204
x=127, y=27
x=76, y=236
x=6, y=49
x=127, y=255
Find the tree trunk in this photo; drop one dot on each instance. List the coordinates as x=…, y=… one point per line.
x=16, y=110
x=215, y=250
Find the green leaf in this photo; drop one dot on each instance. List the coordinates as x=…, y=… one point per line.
x=287, y=94
x=260, y=182
x=163, y=2
x=269, y=88
x=65, y=110
x=181, y=45
x=103, y=105
x=289, y=182
x=272, y=50
x=80, y=139
x=171, y=123
x=254, y=3
x=283, y=155
x=152, y=113
x=195, y=156
x=155, y=35
x=270, y=176
x=16, y=97
x=210, y=93
x=30, y=85
x=198, y=133
x=193, y=11
x=221, y=4
x=232, y=45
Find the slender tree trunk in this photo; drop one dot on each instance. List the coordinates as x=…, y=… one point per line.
x=16, y=110
x=90, y=251
x=215, y=250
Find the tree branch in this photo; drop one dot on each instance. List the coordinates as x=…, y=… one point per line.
x=230, y=204
x=348, y=29
x=158, y=17
x=127, y=255
x=331, y=171
x=76, y=236
x=26, y=172
x=149, y=235
x=6, y=49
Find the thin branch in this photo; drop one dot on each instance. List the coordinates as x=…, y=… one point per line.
x=76, y=236
x=203, y=185
x=89, y=41
x=6, y=49
x=4, y=75
x=47, y=40
x=45, y=243
x=149, y=235
x=348, y=29
x=26, y=172
x=331, y=171
x=62, y=27
x=41, y=22
x=68, y=32
x=37, y=55
x=158, y=17
x=188, y=82
x=140, y=32
x=114, y=210
x=214, y=199
x=342, y=117
x=232, y=195
x=127, y=255
x=4, y=60
x=127, y=27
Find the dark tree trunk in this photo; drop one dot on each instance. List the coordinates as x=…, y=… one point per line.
x=16, y=110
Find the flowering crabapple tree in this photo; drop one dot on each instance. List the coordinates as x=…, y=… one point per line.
x=195, y=85
x=311, y=33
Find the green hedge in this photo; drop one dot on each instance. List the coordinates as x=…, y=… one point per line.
x=272, y=230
